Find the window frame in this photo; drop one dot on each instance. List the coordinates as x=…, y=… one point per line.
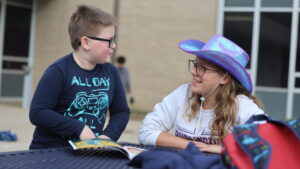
x=257, y=9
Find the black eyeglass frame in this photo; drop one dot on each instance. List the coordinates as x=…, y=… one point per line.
x=110, y=41
x=195, y=65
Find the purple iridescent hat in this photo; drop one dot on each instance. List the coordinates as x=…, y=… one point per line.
x=223, y=53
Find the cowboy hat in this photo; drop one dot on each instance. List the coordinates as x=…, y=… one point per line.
x=223, y=53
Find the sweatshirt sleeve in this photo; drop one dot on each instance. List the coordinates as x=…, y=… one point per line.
x=42, y=110
x=161, y=119
x=119, y=111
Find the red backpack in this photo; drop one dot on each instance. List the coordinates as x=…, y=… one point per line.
x=274, y=144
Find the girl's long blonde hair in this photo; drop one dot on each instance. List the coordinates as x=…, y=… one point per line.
x=226, y=110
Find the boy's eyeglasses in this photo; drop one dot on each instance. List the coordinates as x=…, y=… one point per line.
x=111, y=42
x=200, y=69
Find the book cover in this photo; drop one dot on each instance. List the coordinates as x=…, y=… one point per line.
x=106, y=144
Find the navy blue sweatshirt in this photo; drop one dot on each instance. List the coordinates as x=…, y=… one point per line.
x=68, y=97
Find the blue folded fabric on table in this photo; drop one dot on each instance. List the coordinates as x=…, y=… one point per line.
x=189, y=158
x=7, y=136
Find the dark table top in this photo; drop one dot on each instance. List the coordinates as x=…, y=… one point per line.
x=66, y=157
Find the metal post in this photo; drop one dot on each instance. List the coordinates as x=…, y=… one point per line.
x=116, y=14
x=2, y=30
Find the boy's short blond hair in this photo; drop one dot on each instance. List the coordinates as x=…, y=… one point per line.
x=85, y=21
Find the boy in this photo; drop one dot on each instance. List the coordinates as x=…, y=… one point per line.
x=75, y=92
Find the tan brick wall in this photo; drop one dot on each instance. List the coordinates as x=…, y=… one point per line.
x=149, y=32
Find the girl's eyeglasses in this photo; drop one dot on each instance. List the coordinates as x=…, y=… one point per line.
x=200, y=69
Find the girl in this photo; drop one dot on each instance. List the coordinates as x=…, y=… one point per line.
x=204, y=111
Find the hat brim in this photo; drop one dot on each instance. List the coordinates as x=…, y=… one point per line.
x=220, y=59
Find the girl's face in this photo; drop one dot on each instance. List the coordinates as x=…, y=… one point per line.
x=205, y=77
x=101, y=50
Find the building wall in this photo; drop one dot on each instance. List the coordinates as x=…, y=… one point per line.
x=148, y=34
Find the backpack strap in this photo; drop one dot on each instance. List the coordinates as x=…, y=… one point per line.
x=293, y=124
x=259, y=117
x=258, y=149
x=227, y=161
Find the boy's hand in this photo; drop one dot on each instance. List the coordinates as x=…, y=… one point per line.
x=87, y=133
x=211, y=148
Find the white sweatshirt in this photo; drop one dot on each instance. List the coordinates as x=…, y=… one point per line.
x=172, y=113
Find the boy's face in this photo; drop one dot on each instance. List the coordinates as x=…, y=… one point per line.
x=100, y=51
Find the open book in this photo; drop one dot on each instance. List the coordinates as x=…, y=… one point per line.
x=106, y=144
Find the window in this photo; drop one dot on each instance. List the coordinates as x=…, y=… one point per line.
x=298, y=52
x=297, y=82
x=17, y=31
x=11, y=85
x=27, y=2
x=16, y=39
x=274, y=47
x=276, y=3
x=238, y=28
x=243, y=3
x=264, y=28
x=296, y=105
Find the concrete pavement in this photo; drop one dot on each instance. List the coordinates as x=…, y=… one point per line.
x=15, y=119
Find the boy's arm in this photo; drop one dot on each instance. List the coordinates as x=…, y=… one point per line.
x=43, y=107
x=119, y=112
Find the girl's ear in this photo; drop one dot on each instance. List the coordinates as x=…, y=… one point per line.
x=226, y=79
x=85, y=43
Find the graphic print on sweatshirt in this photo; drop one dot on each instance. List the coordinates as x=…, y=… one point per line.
x=204, y=134
x=90, y=107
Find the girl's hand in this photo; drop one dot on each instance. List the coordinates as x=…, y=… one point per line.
x=211, y=148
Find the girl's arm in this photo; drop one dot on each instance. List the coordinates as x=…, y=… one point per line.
x=167, y=140
x=163, y=116
x=210, y=148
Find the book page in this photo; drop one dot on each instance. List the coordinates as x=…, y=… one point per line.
x=132, y=151
x=100, y=143
x=129, y=151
